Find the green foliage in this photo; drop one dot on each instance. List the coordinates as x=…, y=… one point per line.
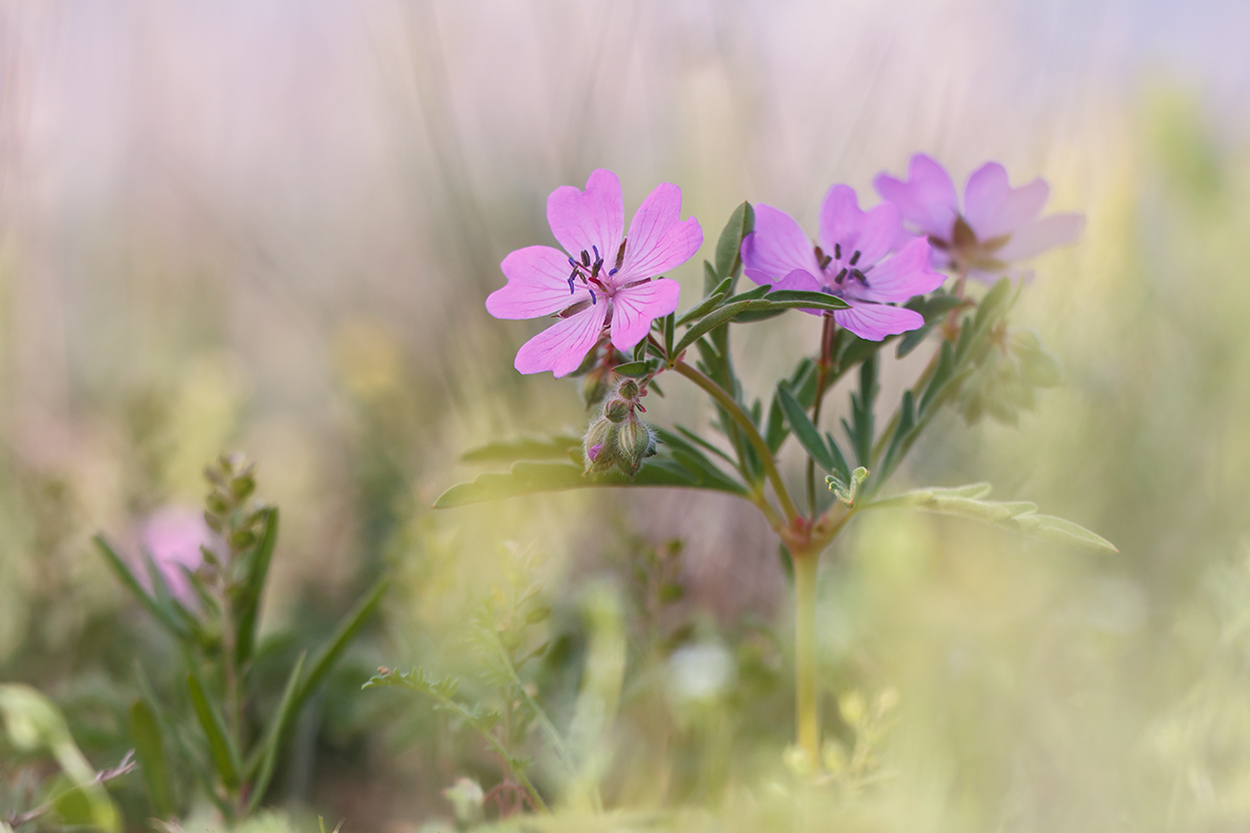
x=969, y=502
x=230, y=759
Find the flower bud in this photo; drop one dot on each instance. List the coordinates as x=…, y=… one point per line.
x=635, y=441
x=599, y=446
x=616, y=410
x=595, y=386
x=627, y=389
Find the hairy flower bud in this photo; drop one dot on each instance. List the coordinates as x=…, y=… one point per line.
x=627, y=389
x=599, y=446
x=616, y=410
x=635, y=441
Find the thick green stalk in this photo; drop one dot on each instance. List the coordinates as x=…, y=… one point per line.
x=807, y=715
x=731, y=406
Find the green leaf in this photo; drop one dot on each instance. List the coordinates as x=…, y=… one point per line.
x=635, y=369
x=225, y=756
x=282, y=718
x=711, y=279
x=145, y=731
x=526, y=448
x=165, y=617
x=343, y=636
x=804, y=431
x=705, y=306
x=818, y=300
x=529, y=478
x=729, y=246
x=969, y=502
x=258, y=561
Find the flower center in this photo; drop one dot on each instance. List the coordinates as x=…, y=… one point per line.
x=590, y=272
x=841, y=268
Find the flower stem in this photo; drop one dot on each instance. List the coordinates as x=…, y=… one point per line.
x=743, y=421
x=807, y=716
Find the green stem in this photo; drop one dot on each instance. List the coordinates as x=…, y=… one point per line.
x=808, y=718
x=743, y=421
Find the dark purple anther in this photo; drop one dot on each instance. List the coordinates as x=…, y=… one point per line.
x=573, y=263
x=593, y=299
x=571, y=289
x=841, y=275
x=855, y=257
x=837, y=251
x=613, y=272
x=585, y=258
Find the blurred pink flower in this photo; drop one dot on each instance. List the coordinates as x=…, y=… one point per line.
x=607, y=282
x=173, y=536
x=997, y=226
x=852, y=262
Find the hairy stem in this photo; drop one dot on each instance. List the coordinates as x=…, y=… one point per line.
x=740, y=418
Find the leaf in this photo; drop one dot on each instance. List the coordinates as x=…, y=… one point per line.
x=254, y=584
x=525, y=448
x=804, y=431
x=729, y=246
x=705, y=306
x=529, y=478
x=225, y=756
x=821, y=300
x=635, y=369
x=287, y=709
x=145, y=731
x=1021, y=516
x=343, y=636
x=128, y=580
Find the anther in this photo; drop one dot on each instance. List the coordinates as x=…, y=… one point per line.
x=837, y=251
x=620, y=255
x=613, y=272
x=573, y=263
x=585, y=258
x=841, y=275
x=571, y=289
x=855, y=257
x=593, y=299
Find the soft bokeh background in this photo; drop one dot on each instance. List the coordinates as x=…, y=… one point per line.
x=271, y=226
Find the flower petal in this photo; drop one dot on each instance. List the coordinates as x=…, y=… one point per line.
x=594, y=218
x=777, y=247
x=871, y=233
x=993, y=208
x=876, y=321
x=927, y=199
x=538, y=284
x=1043, y=234
x=561, y=347
x=657, y=241
x=634, y=309
x=901, y=276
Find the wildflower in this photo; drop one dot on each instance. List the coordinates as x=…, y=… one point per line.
x=997, y=226
x=852, y=262
x=173, y=536
x=605, y=282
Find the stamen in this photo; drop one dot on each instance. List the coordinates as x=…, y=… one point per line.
x=837, y=251
x=855, y=257
x=571, y=277
x=573, y=263
x=620, y=255
x=859, y=276
x=613, y=272
x=596, y=248
x=585, y=258
x=593, y=299
x=841, y=275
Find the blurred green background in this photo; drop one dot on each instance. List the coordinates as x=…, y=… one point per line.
x=272, y=227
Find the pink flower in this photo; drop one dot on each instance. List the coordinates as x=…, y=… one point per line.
x=605, y=282
x=851, y=262
x=173, y=537
x=998, y=224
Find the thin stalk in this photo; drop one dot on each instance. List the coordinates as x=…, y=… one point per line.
x=822, y=379
x=743, y=421
x=807, y=715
